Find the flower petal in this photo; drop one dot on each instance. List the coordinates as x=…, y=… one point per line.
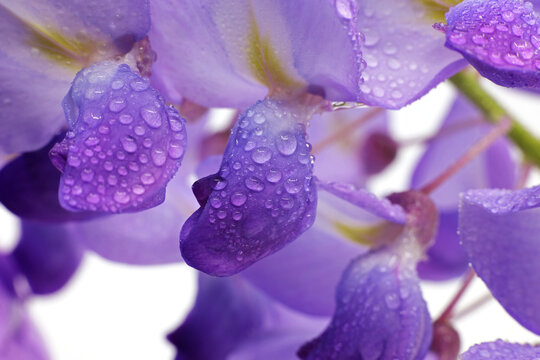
x=501, y=350
x=499, y=38
x=232, y=320
x=285, y=277
x=124, y=143
x=499, y=231
x=262, y=198
x=380, y=313
x=46, y=256
x=29, y=186
x=404, y=55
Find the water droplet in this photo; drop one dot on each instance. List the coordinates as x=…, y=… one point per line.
x=143, y=158
x=122, y=170
x=77, y=190
x=151, y=116
x=121, y=197
x=394, y=64
x=138, y=189
x=238, y=198
x=240, y=255
x=261, y=155
x=147, y=143
x=215, y=202
x=259, y=118
x=92, y=141
x=286, y=144
x=103, y=129
x=129, y=144
x=125, y=119
x=250, y=145
x=87, y=174
x=389, y=49
x=139, y=85
x=74, y=161
x=237, y=215
x=392, y=301
x=293, y=185
x=176, y=150
x=237, y=165
x=147, y=179
x=286, y=202
x=139, y=130
x=158, y=157
x=254, y=184
x=273, y=176
x=117, y=84
x=508, y=16
x=344, y=9
x=175, y=125
x=112, y=180
x=117, y=105
x=92, y=198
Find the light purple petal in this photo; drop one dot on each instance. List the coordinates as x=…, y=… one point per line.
x=124, y=142
x=284, y=275
x=262, y=198
x=144, y=238
x=501, y=350
x=404, y=56
x=499, y=231
x=446, y=259
x=29, y=186
x=499, y=38
x=46, y=256
x=44, y=44
x=232, y=320
x=380, y=313
x=382, y=208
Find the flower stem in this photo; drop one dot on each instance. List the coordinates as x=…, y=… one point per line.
x=467, y=83
x=447, y=313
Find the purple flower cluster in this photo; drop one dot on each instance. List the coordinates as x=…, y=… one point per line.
x=105, y=131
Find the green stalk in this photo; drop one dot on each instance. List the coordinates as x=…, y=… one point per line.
x=467, y=83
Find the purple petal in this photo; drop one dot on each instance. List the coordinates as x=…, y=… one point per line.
x=499, y=38
x=29, y=186
x=262, y=198
x=123, y=146
x=45, y=43
x=446, y=258
x=232, y=320
x=283, y=276
x=380, y=313
x=46, y=256
x=404, y=56
x=499, y=231
x=382, y=208
x=501, y=350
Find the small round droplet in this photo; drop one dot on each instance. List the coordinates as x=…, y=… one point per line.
x=129, y=144
x=273, y=176
x=125, y=119
x=112, y=180
x=121, y=197
x=250, y=145
x=286, y=144
x=151, y=116
x=92, y=141
x=215, y=202
x=147, y=179
x=117, y=84
x=254, y=184
x=293, y=186
x=237, y=216
x=139, y=85
x=117, y=105
x=138, y=189
x=261, y=155
x=158, y=157
x=259, y=118
x=176, y=150
x=238, y=198
x=286, y=202
x=92, y=198
x=139, y=130
x=87, y=175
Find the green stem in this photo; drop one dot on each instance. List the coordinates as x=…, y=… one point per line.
x=467, y=83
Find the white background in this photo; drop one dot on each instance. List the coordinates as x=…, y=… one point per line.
x=114, y=311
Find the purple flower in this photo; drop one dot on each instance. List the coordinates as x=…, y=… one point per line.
x=500, y=350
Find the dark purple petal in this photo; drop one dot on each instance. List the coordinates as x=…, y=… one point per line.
x=404, y=56
x=232, y=320
x=499, y=38
x=124, y=142
x=501, y=350
x=46, y=256
x=29, y=186
x=285, y=277
x=380, y=313
x=499, y=231
x=262, y=198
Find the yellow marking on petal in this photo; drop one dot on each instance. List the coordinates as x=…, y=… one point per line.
x=436, y=9
x=265, y=63
x=374, y=235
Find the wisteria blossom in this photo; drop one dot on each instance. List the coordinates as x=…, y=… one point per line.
x=108, y=145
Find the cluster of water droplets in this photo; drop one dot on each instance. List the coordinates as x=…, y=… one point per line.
x=389, y=60
x=380, y=312
x=500, y=350
x=263, y=195
x=502, y=201
x=501, y=33
x=123, y=146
